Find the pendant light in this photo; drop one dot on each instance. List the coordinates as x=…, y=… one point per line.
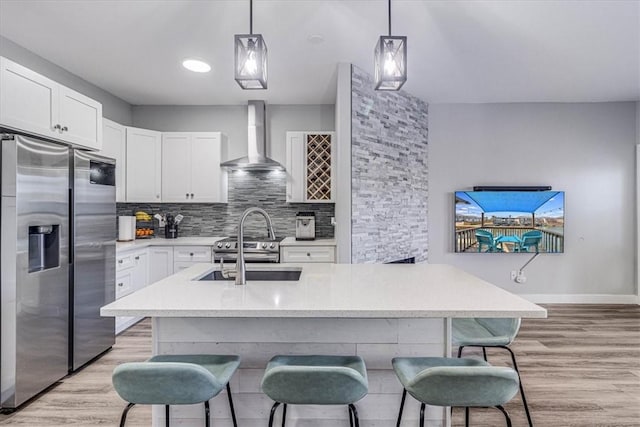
x=250, y=58
x=390, y=60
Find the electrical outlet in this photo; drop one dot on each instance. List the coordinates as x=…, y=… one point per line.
x=514, y=274
x=333, y=220
x=521, y=278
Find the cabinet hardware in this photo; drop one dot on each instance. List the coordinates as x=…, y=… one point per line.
x=120, y=284
x=120, y=261
x=192, y=195
x=137, y=258
x=56, y=127
x=308, y=254
x=191, y=254
x=187, y=195
x=64, y=129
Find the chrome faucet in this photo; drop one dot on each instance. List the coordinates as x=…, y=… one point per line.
x=240, y=265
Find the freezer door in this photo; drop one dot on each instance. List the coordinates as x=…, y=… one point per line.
x=35, y=268
x=94, y=235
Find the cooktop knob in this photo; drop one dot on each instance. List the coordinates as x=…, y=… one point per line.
x=272, y=246
x=219, y=245
x=264, y=246
x=227, y=245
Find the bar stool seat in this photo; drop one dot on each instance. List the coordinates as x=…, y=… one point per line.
x=315, y=380
x=175, y=380
x=442, y=381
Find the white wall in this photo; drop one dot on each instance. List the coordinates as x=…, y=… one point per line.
x=232, y=120
x=587, y=150
x=113, y=107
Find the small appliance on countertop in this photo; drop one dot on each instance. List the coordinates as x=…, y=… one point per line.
x=306, y=226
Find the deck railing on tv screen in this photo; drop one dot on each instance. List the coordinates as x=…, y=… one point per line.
x=466, y=237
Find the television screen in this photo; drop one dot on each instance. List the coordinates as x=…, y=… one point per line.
x=509, y=221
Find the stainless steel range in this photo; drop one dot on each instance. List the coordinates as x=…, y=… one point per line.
x=256, y=249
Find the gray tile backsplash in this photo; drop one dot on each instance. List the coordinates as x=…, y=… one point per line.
x=264, y=189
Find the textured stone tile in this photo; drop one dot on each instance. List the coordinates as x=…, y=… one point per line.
x=389, y=137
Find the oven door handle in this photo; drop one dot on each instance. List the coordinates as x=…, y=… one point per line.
x=248, y=257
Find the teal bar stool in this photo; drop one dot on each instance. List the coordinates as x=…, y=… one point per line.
x=315, y=380
x=175, y=380
x=442, y=381
x=489, y=332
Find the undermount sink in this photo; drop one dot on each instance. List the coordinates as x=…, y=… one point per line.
x=289, y=274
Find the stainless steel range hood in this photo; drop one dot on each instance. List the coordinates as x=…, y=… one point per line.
x=257, y=143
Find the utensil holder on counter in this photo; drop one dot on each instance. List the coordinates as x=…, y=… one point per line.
x=171, y=231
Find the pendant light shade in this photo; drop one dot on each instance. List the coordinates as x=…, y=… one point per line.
x=390, y=60
x=251, y=61
x=250, y=58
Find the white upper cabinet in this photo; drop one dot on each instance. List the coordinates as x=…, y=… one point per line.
x=143, y=165
x=114, y=138
x=191, y=167
x=310, y=167
x=33, y=103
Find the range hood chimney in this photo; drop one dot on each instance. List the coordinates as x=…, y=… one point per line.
x=257, y=143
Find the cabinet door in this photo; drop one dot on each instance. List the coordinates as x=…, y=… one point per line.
x=143, y=165
x=176, y=166
x=80, y=119
x=295, y=167
x=28, y=100
x=206, y=174
x=114, y=138
x=160, y=263
x=140, y=270
x=192, y=254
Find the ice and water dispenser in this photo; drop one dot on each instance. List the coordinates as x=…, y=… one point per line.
x=44, y=247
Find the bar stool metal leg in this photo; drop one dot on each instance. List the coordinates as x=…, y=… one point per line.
x=466, y=416
x=460, y=351
x=123, y=418
x=284, y=414
x=404, y=396
x=524, y=399
x=273, y=410
x=166, y=415
x=506, y=415
x=207, y=420
x=350, y=417
x=422, y=405
x=355, y=414
x=484, y=353
x=233, y=412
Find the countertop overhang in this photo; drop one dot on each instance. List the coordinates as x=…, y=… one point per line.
x=328, y=291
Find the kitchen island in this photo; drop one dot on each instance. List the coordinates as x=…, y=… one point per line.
x=375, y=311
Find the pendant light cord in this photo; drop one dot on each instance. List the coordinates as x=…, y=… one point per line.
x=389, y=18
x=251, y=16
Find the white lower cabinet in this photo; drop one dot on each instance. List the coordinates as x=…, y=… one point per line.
x=160, y=263
x=186, y=256
x=131, y=275
x=308, y=254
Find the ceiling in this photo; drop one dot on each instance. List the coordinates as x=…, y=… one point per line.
x=458, y=51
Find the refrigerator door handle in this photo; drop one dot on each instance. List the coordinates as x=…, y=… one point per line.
x=71, y=231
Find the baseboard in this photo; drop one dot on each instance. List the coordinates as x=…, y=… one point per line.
x=581, y=299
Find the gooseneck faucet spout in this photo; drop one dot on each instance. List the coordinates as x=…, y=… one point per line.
x=240, y=265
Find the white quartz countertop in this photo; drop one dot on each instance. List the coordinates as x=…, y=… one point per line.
x=291, y=241
x=329, y=290
x=160, y=241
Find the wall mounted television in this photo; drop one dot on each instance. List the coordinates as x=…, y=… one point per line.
x=509, y=221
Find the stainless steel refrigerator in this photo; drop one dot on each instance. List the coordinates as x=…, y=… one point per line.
x=57, y=251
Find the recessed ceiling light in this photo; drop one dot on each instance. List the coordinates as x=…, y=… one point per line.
x=315, y=38
x=196, y=65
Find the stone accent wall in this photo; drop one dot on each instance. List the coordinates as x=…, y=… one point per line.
x=389, y=176
x=246, y=189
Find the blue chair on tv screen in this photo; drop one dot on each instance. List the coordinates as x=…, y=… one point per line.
x=530, y=239
x=485, y=238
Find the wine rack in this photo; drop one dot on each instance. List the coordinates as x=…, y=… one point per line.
x=318, y=154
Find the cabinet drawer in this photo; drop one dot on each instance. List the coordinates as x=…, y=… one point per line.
x=124, y=261
x=124, y=284
x=192, y=253
x=308, y=254
x=179, y=266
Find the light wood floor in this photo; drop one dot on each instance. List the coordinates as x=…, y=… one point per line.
x=580, y=367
